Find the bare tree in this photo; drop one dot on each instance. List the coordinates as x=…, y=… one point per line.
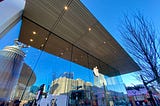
x=142, y=42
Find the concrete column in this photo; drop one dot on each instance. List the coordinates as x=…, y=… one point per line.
x=10, y=13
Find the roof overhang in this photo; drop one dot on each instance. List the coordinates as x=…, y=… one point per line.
x=66, y=33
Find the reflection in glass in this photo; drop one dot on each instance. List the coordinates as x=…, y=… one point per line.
x=11, y=60
x=66, y=83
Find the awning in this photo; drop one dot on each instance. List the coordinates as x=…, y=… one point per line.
x=67, y=29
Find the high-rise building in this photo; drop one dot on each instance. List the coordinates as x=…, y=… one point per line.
x=23, y=84
x=64, y=85
x=11, y=60
x=67, y=75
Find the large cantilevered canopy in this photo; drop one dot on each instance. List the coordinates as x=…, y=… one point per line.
x=67, y=29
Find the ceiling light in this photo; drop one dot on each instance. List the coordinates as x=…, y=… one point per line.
x=34, y=32
x=67, y=49
x=65, y=7
x=31, y=40
x=89, y=29
x=75, y=59
x=62, y=53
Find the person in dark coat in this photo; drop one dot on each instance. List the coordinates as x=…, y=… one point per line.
x=40, y=93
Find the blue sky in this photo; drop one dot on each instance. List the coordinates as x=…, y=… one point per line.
x=109, y=13
x=48, y=64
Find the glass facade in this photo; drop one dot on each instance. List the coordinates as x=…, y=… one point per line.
x=53, y=80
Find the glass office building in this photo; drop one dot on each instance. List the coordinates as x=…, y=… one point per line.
x=65, y=67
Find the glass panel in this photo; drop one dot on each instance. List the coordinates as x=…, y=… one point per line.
x=93, y=62
x=58, y=46
x=34, y=35
x=117, y=91
x=80, y=57
x=47, y=79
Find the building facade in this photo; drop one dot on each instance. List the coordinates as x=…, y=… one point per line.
x=11, y=60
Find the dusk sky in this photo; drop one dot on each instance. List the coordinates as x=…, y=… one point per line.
x=110, y=14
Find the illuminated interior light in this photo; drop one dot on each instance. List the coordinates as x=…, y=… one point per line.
x=46, y=38
x=34, y=32
x=89, y=29
x=62, y=53
x=31, y=40
x=104, y=42
x=67, y=49
x=65, y=7
x=42, y=45
x=75, y=59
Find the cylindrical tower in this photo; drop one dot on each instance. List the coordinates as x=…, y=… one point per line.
x=11, y=62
